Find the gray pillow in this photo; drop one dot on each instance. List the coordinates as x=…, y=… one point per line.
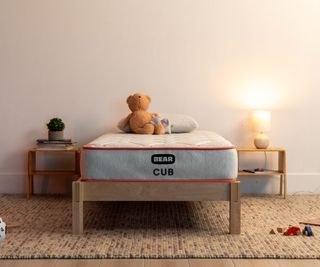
x=181, y=123
x=122, y=128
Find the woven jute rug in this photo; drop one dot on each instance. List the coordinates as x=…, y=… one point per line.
x=157, y=229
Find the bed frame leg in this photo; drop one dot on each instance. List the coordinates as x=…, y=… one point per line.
x=235, y=209
x=77, y=208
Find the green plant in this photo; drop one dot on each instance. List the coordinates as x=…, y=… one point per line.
x=55, y=124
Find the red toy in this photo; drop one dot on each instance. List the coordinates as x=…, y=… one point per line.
x=293, y=230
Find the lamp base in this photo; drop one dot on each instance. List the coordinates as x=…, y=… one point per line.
x=261, y=141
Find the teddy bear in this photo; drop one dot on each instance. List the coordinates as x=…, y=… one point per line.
x=140, y=121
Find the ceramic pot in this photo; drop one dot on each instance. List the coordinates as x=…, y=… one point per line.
x=55, y=135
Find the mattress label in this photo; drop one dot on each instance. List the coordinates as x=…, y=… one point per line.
x=163, y=172
x=163, y=159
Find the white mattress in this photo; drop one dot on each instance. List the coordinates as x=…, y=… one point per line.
x=199, y=155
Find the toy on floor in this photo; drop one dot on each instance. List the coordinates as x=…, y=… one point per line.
x=307, y=231
x=278, y=230
x=293, y=230
x=2, y=229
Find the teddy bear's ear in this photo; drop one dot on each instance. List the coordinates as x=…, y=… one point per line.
x=149, y=98
x=128, y=99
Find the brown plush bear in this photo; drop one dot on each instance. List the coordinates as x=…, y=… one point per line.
x=140, y=121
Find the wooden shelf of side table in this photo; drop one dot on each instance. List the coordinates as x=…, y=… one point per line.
x=281, y=171
x=32, y=168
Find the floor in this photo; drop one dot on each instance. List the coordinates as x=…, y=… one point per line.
x=160, y=263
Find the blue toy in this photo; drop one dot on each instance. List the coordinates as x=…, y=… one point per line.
x=307, y=231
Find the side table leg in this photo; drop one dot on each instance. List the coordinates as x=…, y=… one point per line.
x=31, y=168
x=31, y=190
x=27, y=186
x=281, y=184
x=30, y=186
x=285, y=186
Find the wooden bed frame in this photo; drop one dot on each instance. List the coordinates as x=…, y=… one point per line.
x=156, y=191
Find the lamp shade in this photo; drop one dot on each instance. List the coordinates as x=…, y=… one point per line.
x=261, y=121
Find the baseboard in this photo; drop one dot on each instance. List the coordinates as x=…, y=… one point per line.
x=304, y=183
x=298, y=183
x=15, y=183
x=12, y=183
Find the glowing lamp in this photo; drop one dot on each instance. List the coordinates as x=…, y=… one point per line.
x=261, y=124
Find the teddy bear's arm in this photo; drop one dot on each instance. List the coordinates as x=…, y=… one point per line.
x=154, y=115
x=148, y=128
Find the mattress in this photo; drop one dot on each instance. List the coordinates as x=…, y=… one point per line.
x=196, y=156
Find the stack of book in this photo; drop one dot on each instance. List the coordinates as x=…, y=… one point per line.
x=63, y=144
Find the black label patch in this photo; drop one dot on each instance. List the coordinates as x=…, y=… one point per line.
x=163, y=159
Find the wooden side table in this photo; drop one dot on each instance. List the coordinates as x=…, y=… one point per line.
x=32, y=168
x=280, y=171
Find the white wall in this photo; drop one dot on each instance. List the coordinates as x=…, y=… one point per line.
x=79, y=60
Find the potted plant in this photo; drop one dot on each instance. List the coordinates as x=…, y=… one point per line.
x=55, y=127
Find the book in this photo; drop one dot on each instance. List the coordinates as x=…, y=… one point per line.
x=55, y=147
x=46, y=141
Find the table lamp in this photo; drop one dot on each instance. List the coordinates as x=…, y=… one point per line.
x=261, y=124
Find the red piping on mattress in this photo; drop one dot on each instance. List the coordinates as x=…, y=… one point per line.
x=190, y=180
x=157, y=148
